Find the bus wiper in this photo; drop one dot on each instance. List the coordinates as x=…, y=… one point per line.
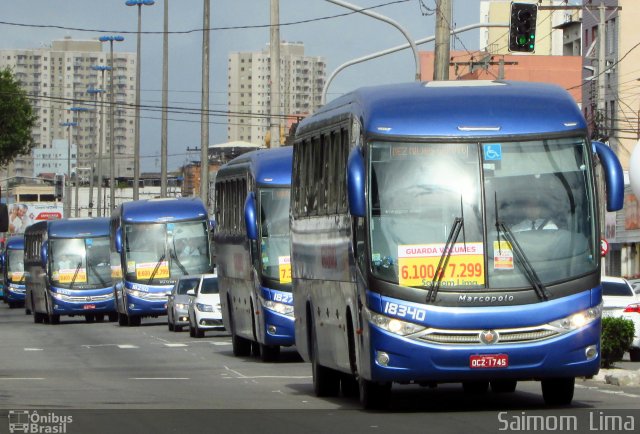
x=93, y=267
x=458, y=224
x=172, y=254
x=528, y=269
x=155, y=269
x=75, y=275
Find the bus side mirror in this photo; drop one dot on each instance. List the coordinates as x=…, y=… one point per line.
x=613, y=175
x=118, y=240
x=44, y=254
x=4, y=217
x=356, y=183
x=250, y=217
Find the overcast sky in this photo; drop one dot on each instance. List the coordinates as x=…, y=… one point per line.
x=337, y=39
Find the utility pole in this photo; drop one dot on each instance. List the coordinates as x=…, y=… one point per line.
x=274, y=53
x=204, y=120
x=165, y=91
x=443, y=40
x=602, y=64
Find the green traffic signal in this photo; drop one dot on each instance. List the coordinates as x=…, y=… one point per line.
x=522, y=27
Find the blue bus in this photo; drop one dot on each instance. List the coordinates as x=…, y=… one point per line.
x=153, y=242
x=13, y=276
x=252, y=246
x=409, y=261
x=68, y=271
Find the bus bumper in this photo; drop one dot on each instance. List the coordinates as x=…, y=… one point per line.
x=141, y=307
x=83, y=308
x=278, y=329
x=413, y=361
x=14, y=295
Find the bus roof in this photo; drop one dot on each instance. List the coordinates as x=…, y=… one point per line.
x=15, y=242
x=163, y=210
x=268, y=166
x=79, y=228
x=444, y=109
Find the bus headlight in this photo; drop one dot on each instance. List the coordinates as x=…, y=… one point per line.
x=578, y=319
x=59, y=296
x=281, y=308
x=393, y=325
x=136, y=293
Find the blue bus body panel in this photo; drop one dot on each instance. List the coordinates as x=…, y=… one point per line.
x=161, y=210
x=84, y=301
x=414, y=360
x=448, y=109
x=80, y=228
x=285, y=332
x=140, y=306
x=14, y=292
x=269, y=166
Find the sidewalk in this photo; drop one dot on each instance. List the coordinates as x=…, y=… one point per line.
x=624, y=373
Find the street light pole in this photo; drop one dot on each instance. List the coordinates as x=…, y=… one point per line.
x=67, y=187
x=165, y=102
x=77, y=110
x=112, y=109
x=101, y=68
x=136, y=145
x=94, y=92
x=204, y=119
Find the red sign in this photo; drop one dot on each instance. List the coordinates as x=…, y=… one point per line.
x=604, y=247
x=489, y=361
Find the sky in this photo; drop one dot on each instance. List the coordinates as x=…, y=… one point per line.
x=237, y=26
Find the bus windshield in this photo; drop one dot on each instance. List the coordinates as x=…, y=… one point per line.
x=165, y=251
x=15, y=265
x=274, y=230
x=540, y=192
x=80, y=262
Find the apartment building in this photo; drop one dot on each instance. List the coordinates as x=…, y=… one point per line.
x=301, y=81
x=59, y=77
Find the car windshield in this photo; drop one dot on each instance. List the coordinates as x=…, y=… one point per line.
x=617, y=289
x=423, y=194
x=185, y=285
x=209, y=285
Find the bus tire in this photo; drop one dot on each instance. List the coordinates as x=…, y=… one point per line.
x=558, y=391
x=122, y=319
x=269, y=353
x=89, y=318
x=326, y=381
x=134, y=321
x=503, y=386
x=349, y=386
x=241, y=346
x=374, y=396
x=37, y=318
x=54, y=319
x=113, y=317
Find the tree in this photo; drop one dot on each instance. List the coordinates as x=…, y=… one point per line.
x=17, y=118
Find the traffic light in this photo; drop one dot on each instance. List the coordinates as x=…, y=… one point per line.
x=522, y=27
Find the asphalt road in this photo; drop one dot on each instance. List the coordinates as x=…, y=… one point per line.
x=148, y=379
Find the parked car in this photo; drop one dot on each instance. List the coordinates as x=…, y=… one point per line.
x=620, y=300
x=204, y=306
x=178, y=302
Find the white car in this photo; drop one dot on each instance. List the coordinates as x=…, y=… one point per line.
x=204, y=306
x=620, y=300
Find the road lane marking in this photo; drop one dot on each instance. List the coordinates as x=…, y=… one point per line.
x=21, y=378
x=247, y=377
x=34, y=349
x=175, y=345
x=126, y=347
x=159, y=378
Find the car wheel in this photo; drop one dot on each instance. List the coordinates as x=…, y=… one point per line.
x=198, y=332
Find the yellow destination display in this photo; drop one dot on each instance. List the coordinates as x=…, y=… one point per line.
x=417, y=264
x=116, y=272
x=66, y=275
x=145, y=270
x=284, y=266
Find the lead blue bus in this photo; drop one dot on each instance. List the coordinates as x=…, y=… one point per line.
x=68, y=271
x=407, y=265
x=13, y=276
x=252, y=244
x=153, y=243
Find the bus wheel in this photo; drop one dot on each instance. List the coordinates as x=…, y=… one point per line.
x=349, y=386
x=134, y=321
x=269, y=353
x=374, y=396
x=54, y=319
x=122, y=319
x=113, y=316
x=558, y=391
x=326, y=381
x=89, y=317
x=241, y=346
x=503, y=386
x=37, y=318
x=475, y=387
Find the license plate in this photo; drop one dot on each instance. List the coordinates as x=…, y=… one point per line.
x=89, y=306
x=489, y=361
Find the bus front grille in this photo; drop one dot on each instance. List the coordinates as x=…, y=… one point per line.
x=473, y=337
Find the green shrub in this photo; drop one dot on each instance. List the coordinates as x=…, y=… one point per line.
x=617, y=335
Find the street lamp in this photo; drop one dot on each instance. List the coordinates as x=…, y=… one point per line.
x=112, y=153
x=95, y=92
x=77, y=110
x=67, y=187
x=136, y=145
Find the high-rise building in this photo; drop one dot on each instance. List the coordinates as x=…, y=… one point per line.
x=57, y=78
x=301, y=81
